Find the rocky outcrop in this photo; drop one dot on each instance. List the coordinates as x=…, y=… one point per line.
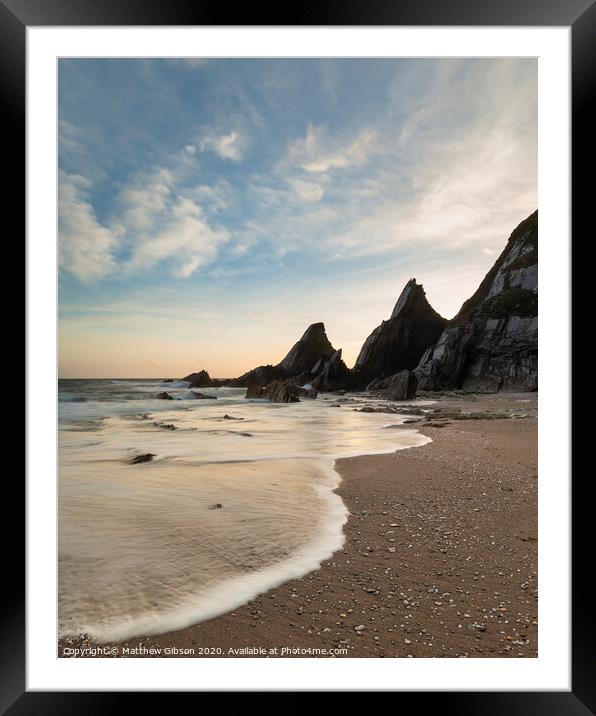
x=280, y=391
x=202, y=379
x=262, y=375
x=202, y=396
x=492, y=343
x=401, y=386
x=254, y=392
x=330, y=374
x=399, y=342
x=313, y=349
x=164, y=396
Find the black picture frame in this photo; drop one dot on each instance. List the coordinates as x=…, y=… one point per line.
x=580, y=15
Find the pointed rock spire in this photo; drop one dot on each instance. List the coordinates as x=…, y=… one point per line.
x=398, y=343
x=312, y=347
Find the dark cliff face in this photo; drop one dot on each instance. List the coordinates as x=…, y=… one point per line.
x=399, y=342
x=492, y=343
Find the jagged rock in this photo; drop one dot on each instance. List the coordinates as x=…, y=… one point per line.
x=164, y=396
x=312, y=349
x=307, y=391
x=254, y=391
x=313, y=346
x=330, y=374
x=262, y=375
x=203, y=396
x=492, y=343
x=398, y=343
x=279, y=391
x=401, y=386
x=202, y=379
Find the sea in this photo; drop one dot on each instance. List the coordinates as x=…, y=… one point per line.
x=237, y=498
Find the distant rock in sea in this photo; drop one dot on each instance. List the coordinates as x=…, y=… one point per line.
x=202, y=379
x=203, y=396
x=492, y=343
x=399, y=342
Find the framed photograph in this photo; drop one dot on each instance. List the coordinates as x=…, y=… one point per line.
x=286, y=324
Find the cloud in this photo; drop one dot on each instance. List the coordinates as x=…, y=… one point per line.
x=213, y=198
x=318, y=153
x=190, y=149
x=308, y=191
x=462, y=194
x=158, y=220
x=186, y=239
x=86, y=248
x=146, y=199
x=227, y=146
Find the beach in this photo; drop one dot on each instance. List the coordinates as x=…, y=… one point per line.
x=439, y=557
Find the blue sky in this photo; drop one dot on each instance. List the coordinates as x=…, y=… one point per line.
x=209, y=210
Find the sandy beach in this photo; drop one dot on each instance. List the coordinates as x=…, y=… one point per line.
x=439, y=560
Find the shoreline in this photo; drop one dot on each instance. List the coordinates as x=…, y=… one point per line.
x=439, y=557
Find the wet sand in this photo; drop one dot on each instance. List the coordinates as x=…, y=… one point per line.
x=440, y=557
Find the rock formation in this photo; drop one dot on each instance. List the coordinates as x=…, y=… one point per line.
x=281, y=391
x=399, y=342
x=262, y=375
x=492, y=343
x=202, y=379
x=401, y=386
x=312, y=349
x=330, y=374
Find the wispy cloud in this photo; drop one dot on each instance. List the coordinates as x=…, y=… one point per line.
x=319, y=151
x=185, y=238
x=157, y=221
x=86, y=248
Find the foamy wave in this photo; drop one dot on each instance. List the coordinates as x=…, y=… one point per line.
x=237, y=591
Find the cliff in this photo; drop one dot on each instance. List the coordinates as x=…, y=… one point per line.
x=492, y=343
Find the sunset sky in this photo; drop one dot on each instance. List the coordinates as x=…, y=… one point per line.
x=210, y=210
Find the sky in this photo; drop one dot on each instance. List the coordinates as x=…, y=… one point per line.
x=210, y=210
